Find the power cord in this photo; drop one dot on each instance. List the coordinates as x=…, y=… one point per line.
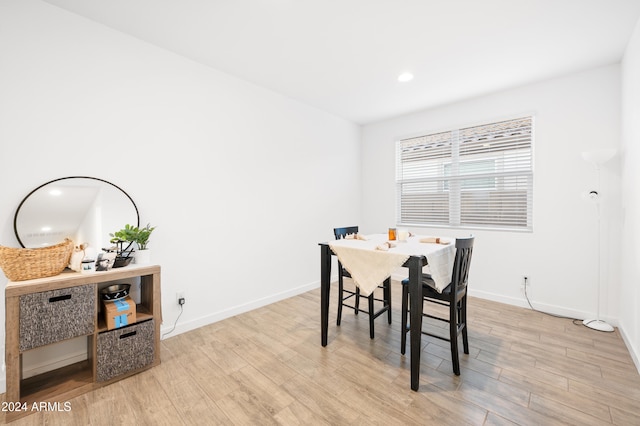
x=526, y=295
x=175, y=323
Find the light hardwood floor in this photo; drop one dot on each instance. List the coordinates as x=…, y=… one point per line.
x=268, y=367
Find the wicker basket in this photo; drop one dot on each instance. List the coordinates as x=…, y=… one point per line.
x=21, y=264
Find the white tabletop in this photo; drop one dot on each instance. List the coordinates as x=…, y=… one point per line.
x=370, y=261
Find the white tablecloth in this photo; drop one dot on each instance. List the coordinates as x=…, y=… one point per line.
x=369, y=267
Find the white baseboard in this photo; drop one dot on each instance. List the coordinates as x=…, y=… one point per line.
x=522, y=302
x=236, y=310
x=541, y=307
x=634, y=355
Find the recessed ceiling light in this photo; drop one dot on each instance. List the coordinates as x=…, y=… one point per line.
x=405, y=76
x=55, y=192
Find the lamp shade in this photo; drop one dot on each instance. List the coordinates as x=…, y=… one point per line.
x=598, y=156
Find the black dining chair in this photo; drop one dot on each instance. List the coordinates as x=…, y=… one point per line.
x=345, y=294
x=454, y=296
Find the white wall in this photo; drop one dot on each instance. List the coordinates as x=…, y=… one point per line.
x=572, y=114
x=237, y=179
x=630, y=276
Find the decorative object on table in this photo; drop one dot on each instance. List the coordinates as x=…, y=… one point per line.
x=402, y=234
x=107, y=260
x=392, y=234
x=434, y=240
x=77, y=256
x=341, y=233
x=88, y=266
x=123, y=240
x=385, y=246
x=597, y=158
x=123, y=251
x=355, y=236
x=21, y=264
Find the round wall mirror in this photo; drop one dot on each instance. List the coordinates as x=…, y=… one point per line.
x=84, y=209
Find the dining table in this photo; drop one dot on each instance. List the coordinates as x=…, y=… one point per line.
x=370, y=259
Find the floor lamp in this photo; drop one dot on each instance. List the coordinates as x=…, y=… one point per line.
x=597, y=158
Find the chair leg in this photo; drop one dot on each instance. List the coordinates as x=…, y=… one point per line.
x=357, y=300
x=340, y=294
x=463, y=321
x=403, y=325
x=387, y=297
x=371, y=318
x=453, y=335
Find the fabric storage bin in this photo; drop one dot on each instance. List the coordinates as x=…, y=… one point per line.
x=56, y=315
x=124, y=350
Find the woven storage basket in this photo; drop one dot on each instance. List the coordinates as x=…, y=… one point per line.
x=21, y=264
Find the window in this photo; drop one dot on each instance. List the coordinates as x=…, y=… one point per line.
x=480, y=177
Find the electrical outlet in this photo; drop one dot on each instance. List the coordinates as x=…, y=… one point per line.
x=180, y=297
x=525, y=280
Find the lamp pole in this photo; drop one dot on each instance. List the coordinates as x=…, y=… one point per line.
x=597, y=323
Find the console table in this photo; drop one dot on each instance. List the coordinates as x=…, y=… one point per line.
x=45, y=311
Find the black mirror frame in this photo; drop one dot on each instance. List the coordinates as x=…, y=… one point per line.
x=15, y=217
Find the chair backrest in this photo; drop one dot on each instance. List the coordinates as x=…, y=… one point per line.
x=340, y=233
x=464, y=249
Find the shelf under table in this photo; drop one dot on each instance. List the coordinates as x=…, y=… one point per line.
x=56, y=382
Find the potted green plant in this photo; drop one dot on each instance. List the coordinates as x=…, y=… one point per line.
x=131, y=234
x=143, y=255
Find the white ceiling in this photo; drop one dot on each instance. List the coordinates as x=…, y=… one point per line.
x=344, y=56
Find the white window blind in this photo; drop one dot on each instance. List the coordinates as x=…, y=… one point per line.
x=479, y=176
